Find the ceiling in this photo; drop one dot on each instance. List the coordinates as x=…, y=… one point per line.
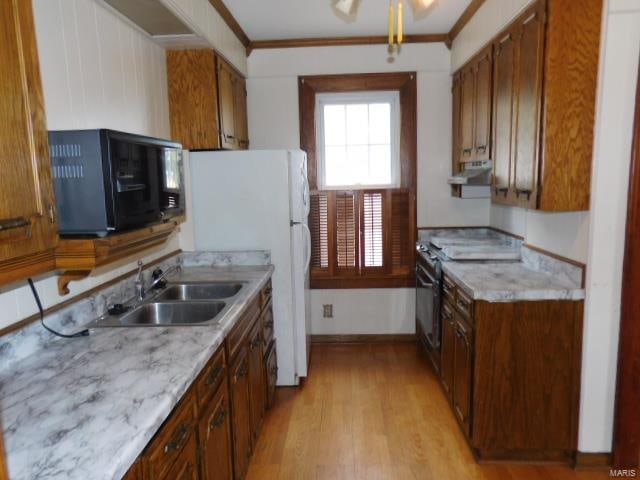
x=287, y=19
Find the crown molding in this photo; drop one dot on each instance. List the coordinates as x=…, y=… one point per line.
x=468, y=13
x=231, y=21
x=343, y=41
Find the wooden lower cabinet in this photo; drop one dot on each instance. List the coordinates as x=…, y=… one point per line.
x=271, y=373
x=447, y=360
x=462, y=377
x=214, y=432
x=256, y=380
x=240, y=413
x=511, y=372
x=211, y=432
x=186, y=465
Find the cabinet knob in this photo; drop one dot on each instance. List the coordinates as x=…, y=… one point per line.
x=179, y=439
x=214, y=375
x=218, y=420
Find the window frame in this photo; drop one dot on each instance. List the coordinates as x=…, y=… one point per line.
x=352, y=98
x=400, y=203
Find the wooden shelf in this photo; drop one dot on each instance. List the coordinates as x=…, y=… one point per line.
x=76, y=258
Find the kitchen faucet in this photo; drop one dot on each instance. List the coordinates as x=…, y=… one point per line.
x=141, y=290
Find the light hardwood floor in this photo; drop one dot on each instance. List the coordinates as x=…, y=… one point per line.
x=374, y=412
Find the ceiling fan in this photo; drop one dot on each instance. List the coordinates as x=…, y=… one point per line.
x=395, y=27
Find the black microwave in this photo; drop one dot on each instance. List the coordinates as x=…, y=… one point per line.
x=107, y=181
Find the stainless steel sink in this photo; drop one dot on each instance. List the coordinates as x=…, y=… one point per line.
x=199, y=291
x=172, y=313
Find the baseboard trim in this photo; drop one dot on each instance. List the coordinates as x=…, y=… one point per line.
x=585, y=460
x=363, y=338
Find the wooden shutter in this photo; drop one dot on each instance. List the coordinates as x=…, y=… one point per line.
x=346, y=215
x=402, y=231
x=319, y=227
x=372, y=244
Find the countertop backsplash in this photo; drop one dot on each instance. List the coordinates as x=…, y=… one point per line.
x=19, y=344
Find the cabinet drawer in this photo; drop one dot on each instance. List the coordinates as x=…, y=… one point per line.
x=265, y=295
x=449, y=289
x=464, y=304
x=170, y=441
x=267, y=326
x=211, y=376
x=241, y=329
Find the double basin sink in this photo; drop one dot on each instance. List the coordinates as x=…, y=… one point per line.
x=178, y=304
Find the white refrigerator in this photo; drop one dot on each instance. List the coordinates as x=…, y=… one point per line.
x=259, y=200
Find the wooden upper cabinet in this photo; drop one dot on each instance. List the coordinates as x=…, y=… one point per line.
x=28, y=228
x=227, y=102
x=467, y=101
x=545, y=74
x=571, y=54
x=482, y=106
x=207, y=101
x=456, y=151
x=240, y=113
x=193, y=98
x=503, y=79
x=528, y=87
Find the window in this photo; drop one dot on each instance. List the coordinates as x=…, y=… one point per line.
x=358, y=139
x=359, y=132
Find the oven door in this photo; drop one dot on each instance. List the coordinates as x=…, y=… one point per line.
x=428, y=305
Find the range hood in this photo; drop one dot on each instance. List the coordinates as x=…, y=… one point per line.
x=474, y=180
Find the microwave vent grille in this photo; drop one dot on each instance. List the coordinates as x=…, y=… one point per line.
x=67, y=160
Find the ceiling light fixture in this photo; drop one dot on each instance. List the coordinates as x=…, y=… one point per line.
x=395, y=38
x=344, y=6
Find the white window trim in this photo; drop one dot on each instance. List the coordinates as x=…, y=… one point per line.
x=341, y=98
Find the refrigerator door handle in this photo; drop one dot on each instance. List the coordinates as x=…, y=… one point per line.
x=308, y=235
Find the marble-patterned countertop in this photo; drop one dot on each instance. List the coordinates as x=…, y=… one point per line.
x=482, y=252
x=85, y=408
x=508, y=282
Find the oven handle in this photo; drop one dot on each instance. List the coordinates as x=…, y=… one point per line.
x=423, y=277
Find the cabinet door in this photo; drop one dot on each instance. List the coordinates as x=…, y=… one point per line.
x=240, y=113
x=186, y=465
x=448, y=345
x=193, y=98
x=271, y=373
x=462, y=378
x=503, y=91
x=256, y=380
x=226, y=101
x=467, y=79
x=215, y=438
x=527, y=107
x=456, y=93
x=27, y=205
x=482, y=110
x=240, y=413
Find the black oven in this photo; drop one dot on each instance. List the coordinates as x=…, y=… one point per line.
x=107, y=181
x=428, y=297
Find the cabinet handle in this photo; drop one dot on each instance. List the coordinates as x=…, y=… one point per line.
x=267, y=291
x=463, y=304
x=503, y=190
x=274, y=371
x=218, y=420
x=269, y=324
x=256, y=343
x=214, y=375
x=447, y=288
x=447, y=314
x=481, y=148
x=244, y=369
x=459, y=333
x=12, y=223
x=179, y=438
x=521, y=191
x=467, y=151
x=229, y=137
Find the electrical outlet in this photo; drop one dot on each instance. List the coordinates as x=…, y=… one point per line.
x=327, y=311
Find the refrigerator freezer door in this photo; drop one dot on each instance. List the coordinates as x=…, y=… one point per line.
x=298, y=186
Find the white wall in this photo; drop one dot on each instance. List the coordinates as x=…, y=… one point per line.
x=97, y=71
x=613, y=138
x=273, y=123
x=206, y=22
x=594, y=237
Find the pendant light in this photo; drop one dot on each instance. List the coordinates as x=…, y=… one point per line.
x=395, y=22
